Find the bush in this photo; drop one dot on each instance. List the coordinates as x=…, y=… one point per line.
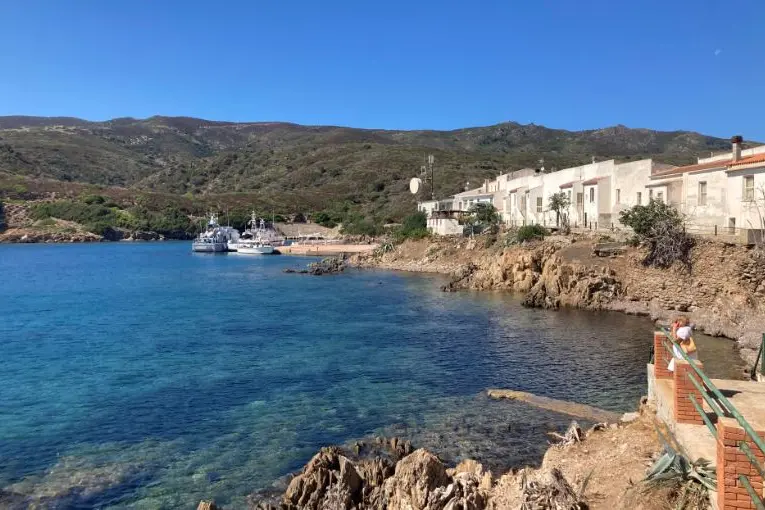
x=2, y=217
x=357, y=225
x=642, y=218
x=414, y=226
x=47, y=222
x=530, y=232
x=93, y=199
x=73, y=211
x=325, y=219
x=660, y=227
x=171, y=223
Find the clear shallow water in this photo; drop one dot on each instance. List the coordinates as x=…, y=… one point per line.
x=142, y=375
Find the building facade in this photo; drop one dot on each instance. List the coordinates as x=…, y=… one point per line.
x=724, y=191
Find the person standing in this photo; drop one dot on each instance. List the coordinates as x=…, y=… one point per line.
x=683, y=341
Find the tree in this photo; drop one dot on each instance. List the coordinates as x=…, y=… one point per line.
x=484, y=214
x=2, y=218
x=660, y=227
x=559, y=202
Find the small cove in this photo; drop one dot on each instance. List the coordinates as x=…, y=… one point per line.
x=155, y=377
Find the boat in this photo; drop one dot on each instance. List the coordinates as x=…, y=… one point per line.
x=216, y=238
x=256, y=240
x=254, y=248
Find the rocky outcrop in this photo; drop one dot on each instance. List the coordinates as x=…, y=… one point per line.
x=394, y=477
x=542, y=276
x=415, y=482
x=329, y=265
x=31, y=235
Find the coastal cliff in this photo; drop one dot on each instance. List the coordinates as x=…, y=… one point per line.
x=723, y=294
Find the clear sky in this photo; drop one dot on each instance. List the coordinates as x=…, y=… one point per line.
x=404, y=64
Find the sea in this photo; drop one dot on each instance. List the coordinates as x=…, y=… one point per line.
x=142, y=375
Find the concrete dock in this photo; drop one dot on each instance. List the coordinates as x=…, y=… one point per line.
x=325, y=250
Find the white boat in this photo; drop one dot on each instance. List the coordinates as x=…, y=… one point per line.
x=216, y=238
x=257, y=239
x=254, y=248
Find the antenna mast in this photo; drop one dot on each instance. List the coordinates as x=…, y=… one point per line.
x=431, y=160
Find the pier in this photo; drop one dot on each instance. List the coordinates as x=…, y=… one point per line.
x=720, y=420
x=325, y=249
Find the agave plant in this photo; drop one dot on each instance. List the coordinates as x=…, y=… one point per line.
x=688, y=483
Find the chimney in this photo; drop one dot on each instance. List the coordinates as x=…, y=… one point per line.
x=736, y=141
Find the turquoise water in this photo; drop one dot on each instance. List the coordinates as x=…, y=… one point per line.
x=142, y=375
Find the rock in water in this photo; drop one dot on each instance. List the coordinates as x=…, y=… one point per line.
x=329, y=265
x=207, y=505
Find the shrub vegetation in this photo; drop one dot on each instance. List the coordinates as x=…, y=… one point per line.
x=414, y=226
x=661, y=228
x=530, y=232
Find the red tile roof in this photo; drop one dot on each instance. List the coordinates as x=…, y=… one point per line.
x=692, y=168
x=757, y=158
x=568, y=185
x=592, y=181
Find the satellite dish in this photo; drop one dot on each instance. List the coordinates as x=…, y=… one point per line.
x=414, y=185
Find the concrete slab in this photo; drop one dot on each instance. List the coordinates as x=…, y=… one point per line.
x=696, y=440
x=748, y=397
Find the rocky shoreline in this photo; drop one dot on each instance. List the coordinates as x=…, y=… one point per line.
x=391, y=474
x=33, y=236
x=724, y=295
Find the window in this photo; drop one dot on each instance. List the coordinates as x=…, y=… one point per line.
x=618, y=196
x=539, y=204
x=569, y=196
x=639, y=198
x=650, y=195
x=749, y=188
x=592, y=195
x=580, y=199
x=702, y=193
x=660, y=196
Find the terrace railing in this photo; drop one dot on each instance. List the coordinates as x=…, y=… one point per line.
x=740, y=448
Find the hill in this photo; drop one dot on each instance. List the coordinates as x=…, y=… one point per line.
x=294, y=167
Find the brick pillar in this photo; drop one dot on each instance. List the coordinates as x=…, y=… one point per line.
x=731, y=462
x=684, y=410
x=660, y=357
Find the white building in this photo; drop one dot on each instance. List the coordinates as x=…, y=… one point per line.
x=724, y=191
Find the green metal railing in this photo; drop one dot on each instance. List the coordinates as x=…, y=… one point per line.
x=760, y=359
x=722, y=407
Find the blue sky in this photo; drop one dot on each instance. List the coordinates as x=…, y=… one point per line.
x=572, y=64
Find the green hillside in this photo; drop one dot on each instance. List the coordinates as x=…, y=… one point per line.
x=293, y=168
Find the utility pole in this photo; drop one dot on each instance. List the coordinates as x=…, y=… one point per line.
x=431, y=160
